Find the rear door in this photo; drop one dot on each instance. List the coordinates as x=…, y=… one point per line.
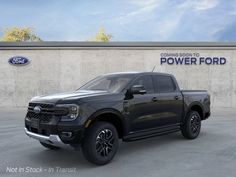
x=169, y=100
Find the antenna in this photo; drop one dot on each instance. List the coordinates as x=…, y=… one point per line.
x=153, y=68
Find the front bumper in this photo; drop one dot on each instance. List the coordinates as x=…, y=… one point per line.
x=54, y=140
x=46, y=125
x=54, y=132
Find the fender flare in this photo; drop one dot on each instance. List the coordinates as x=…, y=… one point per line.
x=195, y=103
x=110, y=111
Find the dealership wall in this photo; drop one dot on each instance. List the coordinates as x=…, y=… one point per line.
x=59, y=67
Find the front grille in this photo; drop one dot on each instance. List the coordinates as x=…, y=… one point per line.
x=42, y=105
x=47, y=111
x=45, y=118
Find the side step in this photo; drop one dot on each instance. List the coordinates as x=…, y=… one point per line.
x=148, y=134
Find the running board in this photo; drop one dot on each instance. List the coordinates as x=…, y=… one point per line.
x=149, y=134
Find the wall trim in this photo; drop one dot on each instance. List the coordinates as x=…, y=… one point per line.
x=100, y=45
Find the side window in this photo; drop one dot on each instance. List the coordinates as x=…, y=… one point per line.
x=164, y=84
x=147, y=82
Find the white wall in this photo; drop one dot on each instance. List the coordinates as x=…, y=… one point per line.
x=57, y=70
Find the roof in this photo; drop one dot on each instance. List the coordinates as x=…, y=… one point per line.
x=125, y=72
x=136, y=72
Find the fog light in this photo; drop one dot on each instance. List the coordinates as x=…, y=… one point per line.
x=66, y=134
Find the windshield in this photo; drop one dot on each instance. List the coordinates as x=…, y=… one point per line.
x=110, y=83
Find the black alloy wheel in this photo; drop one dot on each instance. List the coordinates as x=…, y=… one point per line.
x=100, y=143
x=192, y=125
x=104, y=142
x=195, y=123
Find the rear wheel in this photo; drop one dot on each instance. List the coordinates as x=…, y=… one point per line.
x=100, y=143
x=48, y=146
x=192, y=125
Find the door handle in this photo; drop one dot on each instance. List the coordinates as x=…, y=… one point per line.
x=176, y=97
x=154, y=99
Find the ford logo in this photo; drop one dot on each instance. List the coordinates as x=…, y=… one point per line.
x=18, y=60
x=37, y=109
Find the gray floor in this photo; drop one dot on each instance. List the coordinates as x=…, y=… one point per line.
x=213, y=153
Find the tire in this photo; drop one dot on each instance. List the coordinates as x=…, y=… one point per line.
x=192, y=125
x=48, y=146
x=100, y=143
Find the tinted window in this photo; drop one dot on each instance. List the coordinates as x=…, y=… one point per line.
x=110, y=83
x=164, y=84
x=146, y=81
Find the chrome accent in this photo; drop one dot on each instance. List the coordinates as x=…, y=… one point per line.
x=37, y=109
x=54, y=140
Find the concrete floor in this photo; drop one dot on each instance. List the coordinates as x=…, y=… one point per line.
x=213, y=153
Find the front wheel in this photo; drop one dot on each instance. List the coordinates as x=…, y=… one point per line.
x=100, y=143
x=192, y=125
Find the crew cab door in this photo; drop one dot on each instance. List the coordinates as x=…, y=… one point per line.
x=169, y=102
x=141, y=108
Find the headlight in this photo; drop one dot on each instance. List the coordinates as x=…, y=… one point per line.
x=72, y=111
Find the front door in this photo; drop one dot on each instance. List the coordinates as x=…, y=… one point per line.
x=141, y=109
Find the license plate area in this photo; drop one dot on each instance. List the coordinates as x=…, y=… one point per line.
x=35, y=123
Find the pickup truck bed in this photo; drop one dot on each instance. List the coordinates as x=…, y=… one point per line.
x=196, y=97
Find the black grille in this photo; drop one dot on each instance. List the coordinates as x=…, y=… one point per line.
x=42, y=105
x=47, y=111
x=42, y=117
x=46, y=114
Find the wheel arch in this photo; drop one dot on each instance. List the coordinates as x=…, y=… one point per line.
x=196, y=106
x=112, y=116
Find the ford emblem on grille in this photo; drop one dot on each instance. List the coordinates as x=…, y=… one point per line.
x=18, y=61
x=37, y=109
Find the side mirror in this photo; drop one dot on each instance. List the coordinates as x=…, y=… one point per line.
x=138, y=89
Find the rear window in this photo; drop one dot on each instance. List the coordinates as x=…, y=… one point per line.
x=164, y=84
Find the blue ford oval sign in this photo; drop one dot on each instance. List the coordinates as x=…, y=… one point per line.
x=18, y=61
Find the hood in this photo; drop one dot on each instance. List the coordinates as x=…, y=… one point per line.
x=68, y=95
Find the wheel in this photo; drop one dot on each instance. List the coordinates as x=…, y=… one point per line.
x=100, y=143
x=192, y=125
x=48, y=146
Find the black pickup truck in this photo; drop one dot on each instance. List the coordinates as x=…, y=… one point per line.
x=127, y=106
